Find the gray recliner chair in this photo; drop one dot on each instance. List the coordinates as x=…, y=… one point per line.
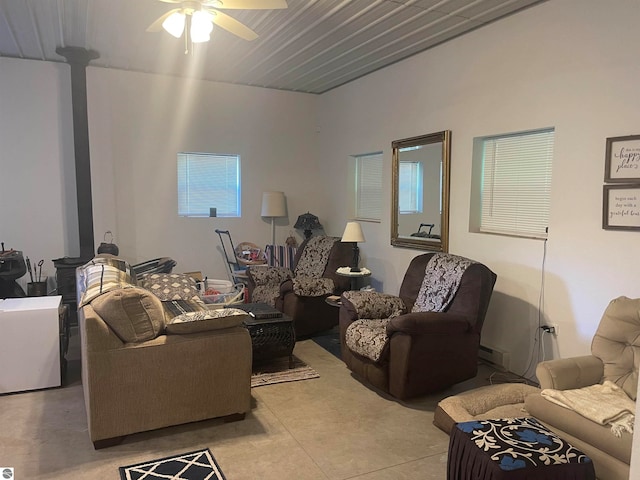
x=615, y=356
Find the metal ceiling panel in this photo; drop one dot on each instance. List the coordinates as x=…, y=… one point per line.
x=312, y=46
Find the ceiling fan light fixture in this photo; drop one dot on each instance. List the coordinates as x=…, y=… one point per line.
x=174, y=24
x=201, y=27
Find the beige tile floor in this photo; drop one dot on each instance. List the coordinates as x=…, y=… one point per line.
x=332, y=427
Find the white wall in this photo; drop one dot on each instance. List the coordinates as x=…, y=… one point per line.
x=38, y=212
x=569, y=64
x=137, y=124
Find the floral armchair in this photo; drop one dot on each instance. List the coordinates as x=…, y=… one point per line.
x=301, y=293
x=425, y=339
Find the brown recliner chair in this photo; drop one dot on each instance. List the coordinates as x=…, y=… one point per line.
x=302, y=294
x=422, y=352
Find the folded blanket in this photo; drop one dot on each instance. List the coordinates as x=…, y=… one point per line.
x=605, y=404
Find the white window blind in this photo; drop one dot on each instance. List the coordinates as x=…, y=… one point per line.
x=516, y=183
x=369, y=186
x=208, y=181
x=410, y=187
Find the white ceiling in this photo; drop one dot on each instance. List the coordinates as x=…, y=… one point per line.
x=313, y=46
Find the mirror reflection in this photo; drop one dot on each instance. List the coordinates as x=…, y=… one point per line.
x=420, y=213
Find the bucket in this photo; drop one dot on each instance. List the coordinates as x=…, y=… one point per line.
x=36, y=289
x=235, y=295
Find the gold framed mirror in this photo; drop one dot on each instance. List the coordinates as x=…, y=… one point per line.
x=420, y=192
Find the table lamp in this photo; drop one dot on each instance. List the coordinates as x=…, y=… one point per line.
x=307, y=222
x=353, y=233
x=273, y=206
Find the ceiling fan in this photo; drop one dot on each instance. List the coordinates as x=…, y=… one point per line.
x=198, y=16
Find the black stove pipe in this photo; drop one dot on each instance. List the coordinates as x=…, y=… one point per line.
x=78, y=58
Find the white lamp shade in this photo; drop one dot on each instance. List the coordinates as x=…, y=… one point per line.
x=174, y=24
x=201, y=27
x=353, y=233
x=274, y=204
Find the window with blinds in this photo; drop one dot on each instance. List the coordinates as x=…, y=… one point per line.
x=207, y=180
x=516, y=183
x=410, y=187
x=368, y=186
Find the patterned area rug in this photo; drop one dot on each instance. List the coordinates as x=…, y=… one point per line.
x=278, y=371
x=199, y=465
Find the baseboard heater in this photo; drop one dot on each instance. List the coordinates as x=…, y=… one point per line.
x=495, y=356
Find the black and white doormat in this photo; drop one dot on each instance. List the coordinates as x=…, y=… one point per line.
x=199, y=465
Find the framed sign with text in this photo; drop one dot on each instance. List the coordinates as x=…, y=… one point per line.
x=622, y=159
x=621, y=207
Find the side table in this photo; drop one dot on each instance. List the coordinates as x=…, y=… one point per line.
x=354, y=276
x=270, y=337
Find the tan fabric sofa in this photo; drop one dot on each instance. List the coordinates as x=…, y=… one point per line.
x=616, y=357
x=155, y=378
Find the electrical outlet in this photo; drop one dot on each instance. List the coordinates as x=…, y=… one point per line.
x=551, y=328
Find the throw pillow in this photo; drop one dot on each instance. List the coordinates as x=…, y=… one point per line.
x=134, y=314
x=102, y=275
x=193, y=322
x=171, y=286
x=173, y=308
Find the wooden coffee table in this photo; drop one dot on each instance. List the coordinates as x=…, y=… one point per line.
x=270, y=337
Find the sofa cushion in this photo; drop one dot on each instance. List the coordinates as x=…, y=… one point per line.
x=134, y=314
x=505, y=400
x=266, y=294
x=561, y=418
x=312, y=287
x=171, y=286
x=215, y=319
x=617, y=343
x=368, y=338
x=262, y=275
x=374, y=304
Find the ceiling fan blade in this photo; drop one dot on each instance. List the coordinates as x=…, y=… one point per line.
x=246, y=4
x=171, y=1
x=234, y=26
x=157, y=25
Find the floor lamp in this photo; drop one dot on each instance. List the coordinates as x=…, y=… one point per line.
x=274, y=205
